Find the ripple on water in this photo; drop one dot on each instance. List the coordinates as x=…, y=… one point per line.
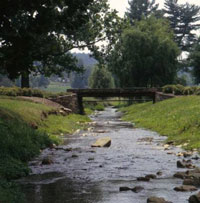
x=95, y=175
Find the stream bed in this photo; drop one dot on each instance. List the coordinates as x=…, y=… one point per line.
x=82, y=174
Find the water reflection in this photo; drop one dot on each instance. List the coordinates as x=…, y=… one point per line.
x=61, y=191
x=95, y=175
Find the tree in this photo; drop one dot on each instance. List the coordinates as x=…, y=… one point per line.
x=101, y=78
x=80, y=80
x=183, y=19
x=194, y=59
x=140, y=8
x=39, y=81
x=36, y=36
x=146, y=55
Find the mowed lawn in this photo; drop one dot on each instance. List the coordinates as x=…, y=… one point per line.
x=177, y=118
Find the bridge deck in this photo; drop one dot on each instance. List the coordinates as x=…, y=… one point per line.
x=134, y=92
x=113, y=92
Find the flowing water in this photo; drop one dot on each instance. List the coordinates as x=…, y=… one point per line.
x=81, y=174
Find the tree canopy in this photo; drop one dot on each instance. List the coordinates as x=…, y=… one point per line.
x=145, y=55
x=140, y=8
x=101, y=78
x=36, y=36
x=194, y=59
x=183, y=19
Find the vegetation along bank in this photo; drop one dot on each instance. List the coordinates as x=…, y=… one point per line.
x=177, y=118
x=27, y=127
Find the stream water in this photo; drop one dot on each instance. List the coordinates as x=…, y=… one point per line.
x=81, y=174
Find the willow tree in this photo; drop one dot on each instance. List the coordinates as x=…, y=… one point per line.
x=145, y=55
x=101, y=78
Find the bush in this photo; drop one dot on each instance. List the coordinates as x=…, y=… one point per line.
x=189, y=90
x=169, y=89
x=10, y=192
x=173, y=89
x=178, y=89
x=99, y=107
x=29, y=92
x=181, y=90
x=197, y=91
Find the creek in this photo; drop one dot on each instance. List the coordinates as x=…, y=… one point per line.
x=82, y=174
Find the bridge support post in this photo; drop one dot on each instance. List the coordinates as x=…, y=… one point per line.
x=154, y=98
x=80, y=104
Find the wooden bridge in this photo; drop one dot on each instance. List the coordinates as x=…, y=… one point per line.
x=108, y=93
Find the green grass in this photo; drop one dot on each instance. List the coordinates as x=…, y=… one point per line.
x=20, y=110
x=20, y=142
x=57, y=87
x=177, y=118
x=58, y=125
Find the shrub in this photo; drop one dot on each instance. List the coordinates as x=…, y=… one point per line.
x=168, y=89
x=173, y=89
x=178, y=89
x=197, y=91
x=10, y=192
x=189, y=90
x=99, y=107
x=29, y=92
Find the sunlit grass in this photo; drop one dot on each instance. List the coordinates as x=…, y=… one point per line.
x=177, y=118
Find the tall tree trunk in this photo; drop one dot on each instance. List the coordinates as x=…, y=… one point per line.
x=25, y=80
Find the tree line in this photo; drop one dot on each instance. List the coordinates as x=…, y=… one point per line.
x=142, y=49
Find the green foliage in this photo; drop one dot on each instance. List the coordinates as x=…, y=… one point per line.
x=168, y=89
x=180, y=90
x=29, y=92
x=145, y=55
x=10, y=192
x=20, y=142
x=176, y=118
x=95, y=106
x=194, y=59
x=42, y=33
x=101, y=78
x=38, y=81
x=60, y=125
x=56, y=87
x=189, y=90
x=140, y=8
x=183, y=19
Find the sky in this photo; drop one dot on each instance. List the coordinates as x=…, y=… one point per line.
x=121, y=5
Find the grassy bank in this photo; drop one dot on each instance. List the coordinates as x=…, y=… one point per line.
x=26, y=128
x=176, y=118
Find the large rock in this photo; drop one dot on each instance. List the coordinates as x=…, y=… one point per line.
x=156, y=200
x=195, y=198
x=146, y=179
x=121, y=189
x=137, y=189
x=47, y=160
x=191, y=177
x=185, y=188
x=151, y=176
x=102, y=142
x=185, y=164
x=191, y=181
